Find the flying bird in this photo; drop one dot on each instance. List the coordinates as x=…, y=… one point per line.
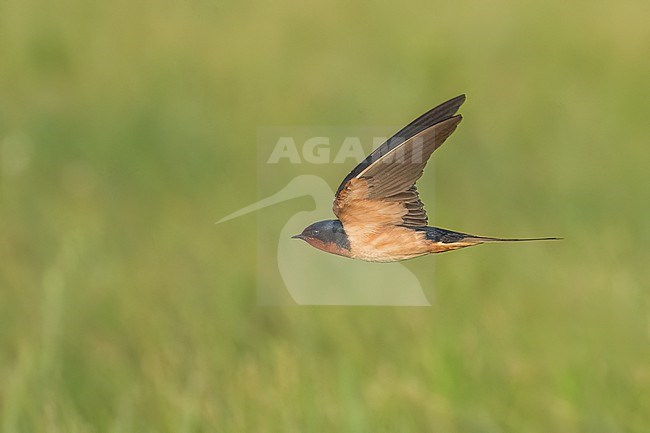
x=380, y=217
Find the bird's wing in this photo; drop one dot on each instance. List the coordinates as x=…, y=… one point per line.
x=382, y=192
x=436, y=115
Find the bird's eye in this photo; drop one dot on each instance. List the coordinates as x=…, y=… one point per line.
x=315, y=232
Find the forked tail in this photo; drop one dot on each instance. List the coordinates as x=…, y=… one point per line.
x=444, y=236
x=487, y=239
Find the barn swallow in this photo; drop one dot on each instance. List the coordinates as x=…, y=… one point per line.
x=380, y=217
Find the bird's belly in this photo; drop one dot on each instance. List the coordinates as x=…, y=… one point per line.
x=388, y=245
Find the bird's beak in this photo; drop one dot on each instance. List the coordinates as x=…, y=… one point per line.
x=297, y=237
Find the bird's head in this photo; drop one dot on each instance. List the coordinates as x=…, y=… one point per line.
x=327, y=236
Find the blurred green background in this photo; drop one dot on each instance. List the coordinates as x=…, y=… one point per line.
x=128, y=127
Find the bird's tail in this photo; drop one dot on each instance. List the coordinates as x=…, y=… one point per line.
x=479, y=239
x=445, y=236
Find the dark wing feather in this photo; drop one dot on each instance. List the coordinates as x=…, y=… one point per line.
x=391, y=180
x=436, y=115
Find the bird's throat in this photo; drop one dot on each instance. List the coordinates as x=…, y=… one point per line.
x=328, y=247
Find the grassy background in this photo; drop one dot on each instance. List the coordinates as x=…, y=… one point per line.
x=127, y=128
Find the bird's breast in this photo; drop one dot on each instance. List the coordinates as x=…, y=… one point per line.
x=387, y=244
